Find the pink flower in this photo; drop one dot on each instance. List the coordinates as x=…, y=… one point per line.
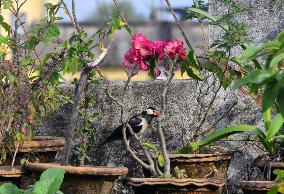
x=175, y=50
x=141, y=43
x=132, y=58
x=159, y=48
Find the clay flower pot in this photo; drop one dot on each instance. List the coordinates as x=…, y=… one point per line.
x=200, y=165
x=254, y=187
x=11, y=174
x=273, y=165
x=81, y=180
x=176, y=186
x=40, y=149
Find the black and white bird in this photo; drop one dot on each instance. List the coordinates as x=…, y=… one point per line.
x=139, y=123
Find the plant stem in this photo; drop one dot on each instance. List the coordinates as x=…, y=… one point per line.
x=79, y=92
x=167, y=166
x=178, y=24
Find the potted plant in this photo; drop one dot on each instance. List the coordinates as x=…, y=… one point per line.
x=266, y=79
x=79, y=57
x=28, y=88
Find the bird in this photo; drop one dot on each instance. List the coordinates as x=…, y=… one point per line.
x=138, y=123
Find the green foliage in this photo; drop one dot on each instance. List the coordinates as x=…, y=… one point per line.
x=191, y=66
x=279, y=182
x=179, y=173
x=49, y=183
x=269, y=81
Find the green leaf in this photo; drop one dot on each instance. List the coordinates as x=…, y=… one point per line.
x=73, y=67
x=9, y=188
x=6, y=26
x=257, y=77
x=280, y=100
x=54, y=78
x=275, y=126
x=190, y=66
x=152, y=68
x=250, y=53
x=151, y=146
x=206, y=15
x=49, y=181
x=54, y=30
x=269, y=95
x=3, y=39
x=276, y=60
x=19, y=137
x=222, y=133
x=7, y=4
x=161, y=161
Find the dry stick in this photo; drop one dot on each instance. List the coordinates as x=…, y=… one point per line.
x=74, y=16
x=216, y=122
x=74, y=22
x=16, y=151
x=77, y=98
x=167, y=166
x=178, y=24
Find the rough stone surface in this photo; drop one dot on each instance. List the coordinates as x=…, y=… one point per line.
x=182, y=105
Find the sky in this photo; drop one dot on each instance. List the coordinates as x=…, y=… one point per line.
x=86, y=7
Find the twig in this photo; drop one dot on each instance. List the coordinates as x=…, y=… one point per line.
x=74, y=16
x=146, y=166
x=167, y=166
x=178, y=24
x=15, y=153
x=216, y=122
x=121, y=14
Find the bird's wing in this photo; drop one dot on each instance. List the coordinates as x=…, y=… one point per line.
x=136, y=123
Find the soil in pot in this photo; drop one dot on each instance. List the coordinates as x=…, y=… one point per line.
x=200, y=165
x=81, y=180
x=176, y=186
x=254, y=187
x=40, y=149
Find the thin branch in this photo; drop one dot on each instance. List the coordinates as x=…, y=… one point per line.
x=74, y=16
x=15, y=153
x=121, y=14
x=167, y=166
x=178, y=24
x=216, y=122
x=134, y=156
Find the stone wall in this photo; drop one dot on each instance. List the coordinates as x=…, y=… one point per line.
x=182, y=105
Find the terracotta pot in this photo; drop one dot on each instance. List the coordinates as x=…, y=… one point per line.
x=176, y=186
x=200, y=165
x=273, y=165
x=254, y=187
x=11, y=174
x=81, y=180
x=40, y=149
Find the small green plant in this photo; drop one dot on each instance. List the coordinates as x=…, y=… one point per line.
x=49, y=183
x=268, y=80
x=279, y=182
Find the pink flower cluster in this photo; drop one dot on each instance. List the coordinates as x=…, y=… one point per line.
x=143, y=50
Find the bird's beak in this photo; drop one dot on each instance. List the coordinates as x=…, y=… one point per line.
x=156, y=113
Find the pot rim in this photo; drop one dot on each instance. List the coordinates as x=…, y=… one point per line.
x=175, y=182
x=79, y=170
x=254, y=185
